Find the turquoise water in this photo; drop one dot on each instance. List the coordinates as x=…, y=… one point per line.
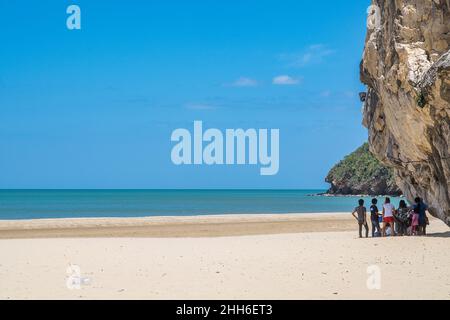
x=36, y=204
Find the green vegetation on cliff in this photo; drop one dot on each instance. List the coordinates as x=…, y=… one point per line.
x=361, y=173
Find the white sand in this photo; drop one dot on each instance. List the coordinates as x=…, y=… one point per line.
x=306, y=265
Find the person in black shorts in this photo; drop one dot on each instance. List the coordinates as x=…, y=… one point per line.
x=374, y=218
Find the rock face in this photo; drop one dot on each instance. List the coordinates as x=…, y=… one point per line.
x=361, y=173
x=406, y=66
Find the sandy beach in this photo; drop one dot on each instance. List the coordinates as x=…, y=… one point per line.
x=297, y=256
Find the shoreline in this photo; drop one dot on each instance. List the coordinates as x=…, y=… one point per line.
x=331, y=195
x=177, y=226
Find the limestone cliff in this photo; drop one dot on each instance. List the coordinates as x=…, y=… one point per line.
x=406, y=66
x=361, y=173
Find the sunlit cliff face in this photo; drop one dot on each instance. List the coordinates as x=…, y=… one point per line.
x=406, y=66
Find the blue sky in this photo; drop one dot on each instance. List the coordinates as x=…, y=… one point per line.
x=95, y=108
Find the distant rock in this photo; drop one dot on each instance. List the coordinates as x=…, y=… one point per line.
x=361, y=173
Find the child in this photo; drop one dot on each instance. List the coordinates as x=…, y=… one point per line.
x=362, y=220
x=415, y=218
x=374, y=218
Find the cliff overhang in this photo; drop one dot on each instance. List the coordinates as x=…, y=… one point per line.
x=406, y=67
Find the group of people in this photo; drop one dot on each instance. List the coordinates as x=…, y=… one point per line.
x=402, y=221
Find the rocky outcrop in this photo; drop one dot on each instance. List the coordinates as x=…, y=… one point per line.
x=361, y=173
x=406, y=66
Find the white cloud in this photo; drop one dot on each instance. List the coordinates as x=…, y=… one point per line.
x=200, y=106
x=313, y=54
x=245, y=82
x=285, y=80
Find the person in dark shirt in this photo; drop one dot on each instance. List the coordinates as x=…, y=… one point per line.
x=402, y=218
x=362, y=220
x=421, y=208
x=374, y=218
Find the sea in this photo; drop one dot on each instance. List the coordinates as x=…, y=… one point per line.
x=40, y=204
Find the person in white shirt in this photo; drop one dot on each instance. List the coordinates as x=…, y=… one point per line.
x=388, y=217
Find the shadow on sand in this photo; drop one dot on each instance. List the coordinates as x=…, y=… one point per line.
x=439, y=235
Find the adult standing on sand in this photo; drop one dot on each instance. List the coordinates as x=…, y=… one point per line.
x=402, y=218
x=388, y=217
x=362, y=219
x=421, y=209
x=374, y=215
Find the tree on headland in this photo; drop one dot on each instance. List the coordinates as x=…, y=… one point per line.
x=361, y=173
